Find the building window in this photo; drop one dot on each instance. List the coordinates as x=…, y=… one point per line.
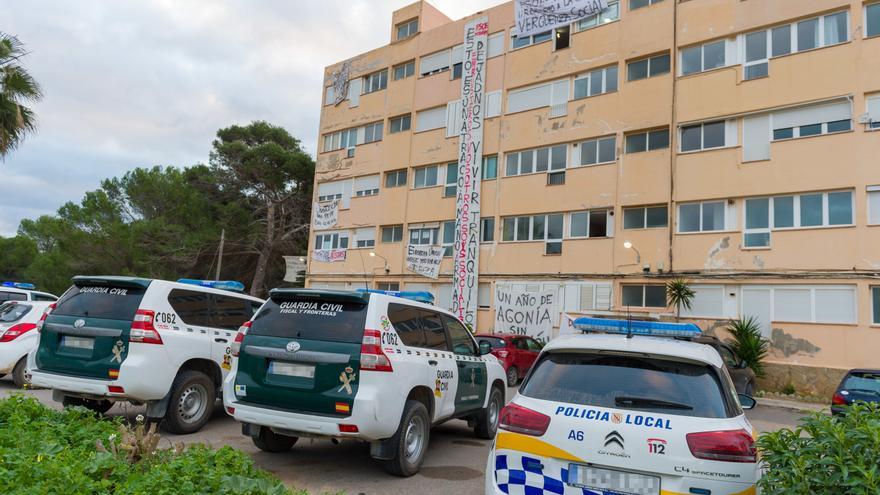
x=329, y=197
x=596, y=151
x=757, y=227
x=703, y=57
x=647, y=67
x=875, y=300
x=589, y=224
x=395, y=178
x=407, y=29
x=872, y=20
x=874, y=205
x=794, y=212
x=376, y=81
x=336, y=190
x=644, y=296
x=404, y=70
x=456, y=71
x=484, y=296
x=365, y=237
x=645, y=217
x=521, y=42
x=426, y=177
x=399, y=124
x=815, y=129
x=707, y=216
x=561, y=38
x=423, y=236
x=487, y=229
x=703, y=136
x=872, y=105
x=536, y=160
x=647, y=141
x=490, y=167
x=596, y=82
x=610, y=14
x=341, y=140
x=332, y=240
x=435, y=63
x=756, y=62
x=389, y=286
x=366, y=186
x=434, y=118
x=547, y=228
x=448, y=237
x=813, y=304
x=392, y=233
x=451, y=180
x=373, y=132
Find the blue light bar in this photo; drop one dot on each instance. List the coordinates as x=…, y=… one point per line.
x=419, y=296
x=19, y=285
x=232, y=285
x=638, y=327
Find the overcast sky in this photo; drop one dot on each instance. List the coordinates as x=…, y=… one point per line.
x=141, y=83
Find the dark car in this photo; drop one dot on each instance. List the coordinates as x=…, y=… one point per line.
x=743, y=376
x=857, y=385
x=517, y=353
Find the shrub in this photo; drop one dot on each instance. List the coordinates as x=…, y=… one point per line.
x=789, y=389
x=680, y=295
x=74, y=452
x=825, y=454
x=748, y=343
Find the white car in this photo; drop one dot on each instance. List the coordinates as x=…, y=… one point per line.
x=610, y=414
x=22, y=291
x=361, y=365
x=18, y=336
x=154, y=342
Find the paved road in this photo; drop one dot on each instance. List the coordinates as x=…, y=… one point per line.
x=455, y=462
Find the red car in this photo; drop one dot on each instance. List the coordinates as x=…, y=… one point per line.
x=517, y=353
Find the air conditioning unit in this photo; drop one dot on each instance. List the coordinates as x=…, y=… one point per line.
x=349, y=153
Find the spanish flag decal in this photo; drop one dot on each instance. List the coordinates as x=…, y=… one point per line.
x=113, y=373
x=342, y=407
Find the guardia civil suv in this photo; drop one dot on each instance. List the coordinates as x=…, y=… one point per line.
x=365, y=365
x=155, y=342
x=625, y=414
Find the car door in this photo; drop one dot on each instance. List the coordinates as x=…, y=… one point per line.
x=193, y=309
x=530, y=355
x=520, y=354
x=228, y=313
x=442, y=370
x=471, y=367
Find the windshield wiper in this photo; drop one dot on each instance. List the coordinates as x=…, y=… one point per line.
x=625, y=401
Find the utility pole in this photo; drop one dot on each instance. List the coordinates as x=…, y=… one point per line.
x=220, y=254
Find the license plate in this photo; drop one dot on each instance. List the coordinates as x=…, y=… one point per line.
x=609, y=480
x=291, y=369
x=77, y=342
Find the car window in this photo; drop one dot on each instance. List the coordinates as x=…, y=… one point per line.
x=865, y=382
x=42, y=297
x=494, y=342
x=462, y=343
x=533, y=345
x=304, y=318
x=11, y=312
x=230, y=312
x=728, y=356
x=100, y=301
x=435, y=336
x=406, y=320
x=630, y=382
x=521, y=344
x=193, y=307
x=12, y=296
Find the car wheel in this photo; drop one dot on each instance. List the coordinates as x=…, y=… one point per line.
x=750, y=389
x=98, y=406
x=20, y=377
x=487, y=419
x=191, y=404
x=411, y=440
x=269, y=441
x=512, y=376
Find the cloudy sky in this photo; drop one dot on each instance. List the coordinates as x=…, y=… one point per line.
x=149, y=82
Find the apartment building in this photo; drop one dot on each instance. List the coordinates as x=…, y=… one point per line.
x=731, y=142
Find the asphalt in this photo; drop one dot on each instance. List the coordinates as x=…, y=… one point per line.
x=455, y=462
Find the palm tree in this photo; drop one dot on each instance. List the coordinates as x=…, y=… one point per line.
x=679, y=294
x=16, y=88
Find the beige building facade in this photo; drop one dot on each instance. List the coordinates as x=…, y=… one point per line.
x=735, y=143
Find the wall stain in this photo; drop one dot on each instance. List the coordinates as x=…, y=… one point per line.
x=711, y=262
x=789, y=345
x=758, y=262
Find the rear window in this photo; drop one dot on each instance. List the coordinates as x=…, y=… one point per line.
x=100, y=301
x=629, y=382
x=311, y=319
x=12, y=296
x=494, y=342
x=863, y=382
x=13, y=312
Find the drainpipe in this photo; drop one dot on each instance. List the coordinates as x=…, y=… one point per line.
x=673, y=131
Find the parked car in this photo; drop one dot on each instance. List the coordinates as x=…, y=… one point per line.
x=743, y=376
x=18, y=321
x=23, y=291
x=517, y=353
x=857, y=385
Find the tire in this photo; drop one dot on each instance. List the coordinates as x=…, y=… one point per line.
x=191, y=404
x=512, y=376
x=269, y=441
x=487, y=420
x=19, y=373
x=98, y=406
x=411, y=440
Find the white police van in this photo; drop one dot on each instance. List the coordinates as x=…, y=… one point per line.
x=23, y=291
x=367, y=365
x=18, y=337
x=622, y=414
x=154, y=342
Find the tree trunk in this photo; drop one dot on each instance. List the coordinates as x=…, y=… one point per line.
x=265, y=252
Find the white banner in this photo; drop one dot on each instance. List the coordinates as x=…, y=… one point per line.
x=340, y=83
x=524, y=313
x=539, y=16
x=466, y=248
x=326, y=214
x=424, y=260
x=295, y=264
x=329, y=255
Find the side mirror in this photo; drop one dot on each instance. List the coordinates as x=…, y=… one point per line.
x=742, y=365
x=747, y=402
x=485, y=347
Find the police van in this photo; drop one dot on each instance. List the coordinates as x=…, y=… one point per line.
x=614, y=413
x=23, y=291
x=374, y=366
x=155, y=342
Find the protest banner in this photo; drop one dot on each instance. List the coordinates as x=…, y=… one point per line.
x=329, y=255
x=294, y=265
x=524, y=313
x=540, y=16
x=326, y=214
x=340, y=83
x=424, y=260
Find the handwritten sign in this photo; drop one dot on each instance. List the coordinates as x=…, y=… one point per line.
x=329, y=255
x=466, y=248
x=539, y=16
x=326, y=214
x=424, y=260
x=524, y=313
x=295, y=265
x=340, y=83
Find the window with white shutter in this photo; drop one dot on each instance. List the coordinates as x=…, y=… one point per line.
x=434, y=63
x=434, y=118
x=367, y=185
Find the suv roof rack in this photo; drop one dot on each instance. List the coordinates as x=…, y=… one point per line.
x=418, y=296
x=637, y=327
x=232, y=285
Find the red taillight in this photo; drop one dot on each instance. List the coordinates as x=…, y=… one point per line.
x=372, y=356
x=142, y=329
x=16, y=331
x=43, y=318
x=838, y=399
x=115, y=389
x=230, y=410
x=728, y=446
x=235, y=348
x=519, y=419
x=348, y=429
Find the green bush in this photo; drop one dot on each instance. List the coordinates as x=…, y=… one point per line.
x=825, y=455
x=748, y=343
x=48, y=451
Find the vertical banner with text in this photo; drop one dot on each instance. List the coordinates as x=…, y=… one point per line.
x=466, y=249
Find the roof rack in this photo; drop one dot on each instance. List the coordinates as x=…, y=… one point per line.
x=19, y=285
x=637, y=327
x=418, y=296
x=231, y=285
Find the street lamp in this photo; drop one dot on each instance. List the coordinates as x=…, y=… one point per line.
x=629, y=245
x=374, y=255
